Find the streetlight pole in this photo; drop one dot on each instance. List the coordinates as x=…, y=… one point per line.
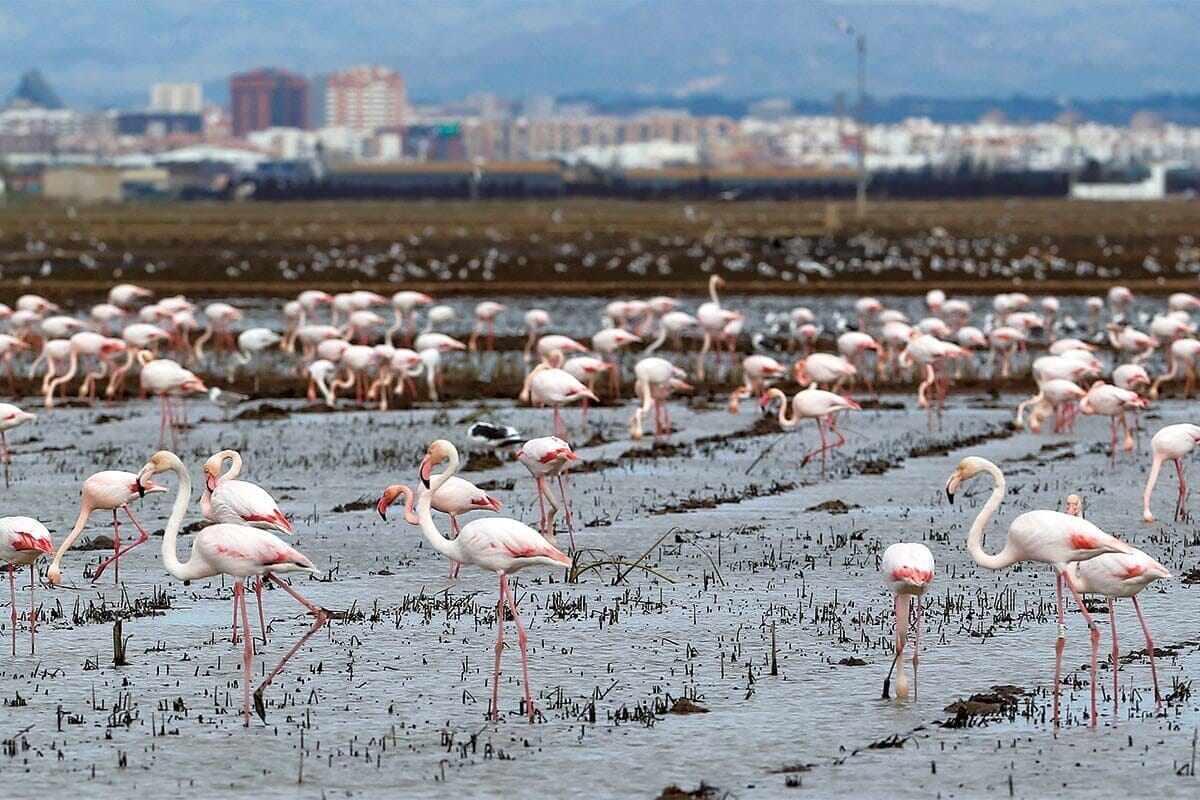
x=861, y=195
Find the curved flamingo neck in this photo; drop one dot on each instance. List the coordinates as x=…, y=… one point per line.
x=410, y=516
x=975, y=538
x=447, y=547
x=778, y=394
x=80, y=522
x=712, y=290
x=191, y=569
x=235, y=465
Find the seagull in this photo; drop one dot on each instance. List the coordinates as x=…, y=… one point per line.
x=490, y=434
x=226, y=399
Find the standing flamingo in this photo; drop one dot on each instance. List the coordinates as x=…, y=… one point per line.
x=1046, y=537
x=1116, y=575
x=250, y=343
x=549, y=457
x=110, y=490
x=535, y=320
x=457, y=497
x=404, y=304
x=814, y=404
x=497, y=544
x=10, y=417
x=167, y=379
x=238, y=551
x=23, y=540
x=1106, y=400
x=907, y=569
x=656, y=378
x=550, y=385
x=485, y=318
x=1171, y=443
x=756, y=371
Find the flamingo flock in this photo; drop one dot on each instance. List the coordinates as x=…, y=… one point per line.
x=337, y=342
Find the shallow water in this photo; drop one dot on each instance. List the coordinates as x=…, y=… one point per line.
x=394, y=698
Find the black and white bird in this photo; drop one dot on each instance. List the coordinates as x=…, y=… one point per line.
x=226, y=399
x=489, y=434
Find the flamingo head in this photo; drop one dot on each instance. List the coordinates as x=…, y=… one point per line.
x=161, y=461
x=968, y=468
x=438, y=452
x=1074, y=505
x=389, y=496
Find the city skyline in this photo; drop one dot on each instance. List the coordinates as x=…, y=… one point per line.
x=97, y=58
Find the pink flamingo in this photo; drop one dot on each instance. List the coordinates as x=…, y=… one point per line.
x=23, y=540
x=485, y=317
x=1171, y=443
x=814, y=404
x=226, y=499
x=907, y=569
x=240, y=552
x=110, y=490
x=218, y=316
x=497, y=544
x=1183, y=352
x=606, y=343
x=457, y=497
x=1106, y=400
x=10, y=417
x=586, y=369
x=822, y=370
x=550, y=385
x=9, y=345
x=86, y=343
x=404, y=305
x=167, y=379
x=656, y=378
x=549, y=457
x=535, y=320
x=854, y=346
x=553, y=341
x=1114, y=575
x=756, y=371
x=140, y=336
x=1046, y=537
x=713, y=319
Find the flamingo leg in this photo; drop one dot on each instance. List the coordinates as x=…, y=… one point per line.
x=1091, y=623
x=522, y=640
x=541, y=506
x=1181, y=503
x=1059, y=644
x=454, y=565
x=499, y=648
x=1116, y=664
x=12, y=591
x=322, y=616
x=235, y=619
x=562, y=491
x=820, y=450
x=32, y=610
x=917, y=645
x=4, y=443
x=262, y=622
x=560, y=427
x=118, y=552
x=1149, y=649
x=239, y=598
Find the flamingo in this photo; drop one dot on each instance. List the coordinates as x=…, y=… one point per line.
x=1045, y=537
x=252, y=342
x=10, y=417
x=549, y=457
x=167, y=379
x=1106, y=400
x=238, y=551
x=1183, y=352
x=1114, y=575
x=110, y=490
x=319, y=374
x=655, y=379
x=535, y=320
x=907, y=569
x=226, y=499
x=8, y=346
x=124, y=295
x=550, y=385
x=362, y=322
x=1171, y=443
x=756, y=371
x=457, y=497
x=822, y=369
x=23, y=540
x=854, y=346
x=404, y=304
x=606, y=343
x=673, y=324
x=713, y=318
x=586, y=369
x=219, y=316
x=814, y=404
x=485, y=317
x=86, y=343
x=497, y=544
x=554, y=341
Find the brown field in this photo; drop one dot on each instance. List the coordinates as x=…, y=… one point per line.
x=535, y=247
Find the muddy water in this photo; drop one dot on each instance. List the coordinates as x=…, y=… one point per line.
x=392, y=699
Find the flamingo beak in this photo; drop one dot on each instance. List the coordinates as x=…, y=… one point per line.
x=382, y=507
x=952, y=487
x=141, y=490
x=426, y=470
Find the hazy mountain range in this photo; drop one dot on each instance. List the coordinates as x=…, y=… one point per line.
x=107, y=53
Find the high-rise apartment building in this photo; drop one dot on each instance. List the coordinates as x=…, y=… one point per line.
x=179, y=97
x=364, y=99
x=268, y=98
